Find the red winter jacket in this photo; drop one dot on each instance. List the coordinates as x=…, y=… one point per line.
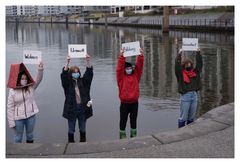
x=128, y=85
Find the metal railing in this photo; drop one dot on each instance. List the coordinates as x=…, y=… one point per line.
x=203, y=22
x=225, y=24
x=228, y=23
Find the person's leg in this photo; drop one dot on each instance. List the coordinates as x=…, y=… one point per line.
x=184, y=108
x=71, y=129
x=133, y=119
x=30, y=124
x=123, y=120
x=18, y=133
x=82, y=125
x=193, y=108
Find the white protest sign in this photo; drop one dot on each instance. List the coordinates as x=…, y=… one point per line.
x=189, y=44
x=77, y=50
x=32, y=57
x=131, y=49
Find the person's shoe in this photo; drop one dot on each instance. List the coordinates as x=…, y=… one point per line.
x=29, y=141
x=71, y=137
x=122, y=134
x=82, y=136
x=133, y=133
x=189, y=121
x=181, y=124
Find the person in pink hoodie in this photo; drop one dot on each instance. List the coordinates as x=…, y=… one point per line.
x=21, y=105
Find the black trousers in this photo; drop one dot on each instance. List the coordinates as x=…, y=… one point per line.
x=128, y=109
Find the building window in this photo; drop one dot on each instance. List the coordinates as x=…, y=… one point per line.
x=146, y=7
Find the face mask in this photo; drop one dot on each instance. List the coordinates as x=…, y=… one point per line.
x=128, y=71
x=188, y=68
x=23, y=82
x=76, y=75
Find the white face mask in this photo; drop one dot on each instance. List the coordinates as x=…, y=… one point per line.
x=23, y=82
x=128, y=71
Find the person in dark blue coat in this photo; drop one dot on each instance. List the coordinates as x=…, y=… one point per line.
x=77, y=105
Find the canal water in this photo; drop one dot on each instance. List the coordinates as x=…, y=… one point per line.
x=159, y=99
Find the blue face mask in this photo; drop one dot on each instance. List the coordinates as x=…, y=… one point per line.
x=76, y=75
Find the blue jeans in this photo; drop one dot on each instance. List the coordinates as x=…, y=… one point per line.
x=29, y=124
x=81, y=121
x=188, y=106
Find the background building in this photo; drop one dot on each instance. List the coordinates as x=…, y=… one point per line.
x=21, y=10
x=135, y=9
x=48, y=10
x=71, y=10
x=11, y=10
x=54, y=10
x=88, y=10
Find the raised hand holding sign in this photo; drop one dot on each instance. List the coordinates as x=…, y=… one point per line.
x=88, y=60
x=40, y=66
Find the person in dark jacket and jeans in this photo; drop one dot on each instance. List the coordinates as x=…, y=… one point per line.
x=77, y=97
x=189, y=82
x=128, y=84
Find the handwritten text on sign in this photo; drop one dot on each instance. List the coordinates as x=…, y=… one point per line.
x=131, y=49
x=189, y=44
x=77, y=50
x=32, y=57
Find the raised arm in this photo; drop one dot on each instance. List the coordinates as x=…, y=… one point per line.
x=139, y=65
x=39, y=75
x=10, y=109
x=120, y=67
x=199, y=62
x=88, y=61
x=64, y=74
x=178, y=66
x=88, y=75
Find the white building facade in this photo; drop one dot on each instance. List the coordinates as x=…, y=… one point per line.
x=21, y=10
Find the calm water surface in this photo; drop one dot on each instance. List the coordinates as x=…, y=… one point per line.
x=159, y=100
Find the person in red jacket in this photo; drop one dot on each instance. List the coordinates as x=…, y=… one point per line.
x=128, y=79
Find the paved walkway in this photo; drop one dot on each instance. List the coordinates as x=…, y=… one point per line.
x=211, y=135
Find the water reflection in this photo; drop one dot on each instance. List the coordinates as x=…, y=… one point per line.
x=159, y=97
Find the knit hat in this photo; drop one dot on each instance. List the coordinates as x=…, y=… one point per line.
x=127, y=64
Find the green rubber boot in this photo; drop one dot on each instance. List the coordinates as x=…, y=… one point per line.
x=133, y=133
x=122, y=134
